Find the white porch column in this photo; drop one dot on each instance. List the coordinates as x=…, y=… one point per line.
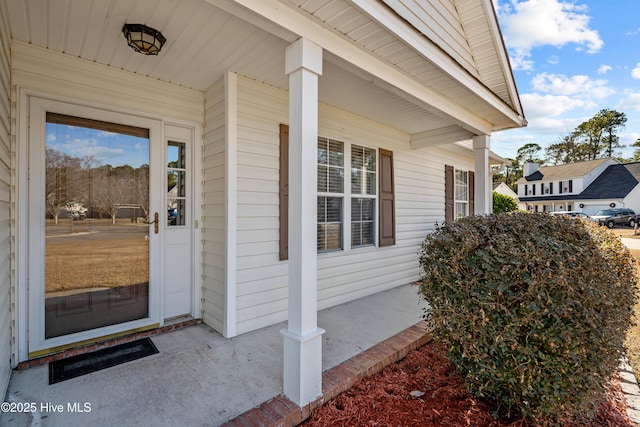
x=482, y=188
x=303, y=338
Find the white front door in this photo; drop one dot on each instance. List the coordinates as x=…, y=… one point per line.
x=97, y=211
x=177, y=248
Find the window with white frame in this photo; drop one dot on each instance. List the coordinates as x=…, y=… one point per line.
x=461, y=194
x=330, y=194
x=363, y=195
x=339, y=201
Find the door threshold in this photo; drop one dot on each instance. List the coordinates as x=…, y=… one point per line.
x=90, y=346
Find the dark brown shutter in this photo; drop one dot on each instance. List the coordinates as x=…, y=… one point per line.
x=448, y=193
x=387, y=223
x=284, y=192
x=472, y=192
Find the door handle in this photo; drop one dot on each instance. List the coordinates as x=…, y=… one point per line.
x=155, y=223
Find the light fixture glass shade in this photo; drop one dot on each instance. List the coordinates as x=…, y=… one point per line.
x=143, y=39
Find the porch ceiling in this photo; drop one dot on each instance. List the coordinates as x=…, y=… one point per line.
x=206, y=38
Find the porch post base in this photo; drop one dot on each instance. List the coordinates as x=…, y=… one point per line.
x=303, y=366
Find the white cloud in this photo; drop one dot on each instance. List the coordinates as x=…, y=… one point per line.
x=577, y=86
x=631, y=101
x=537, y=106
x=604, y=69
x=635, y=73
x=532, y=23
x=51, y=137
x=106, y=134
x=90, y=147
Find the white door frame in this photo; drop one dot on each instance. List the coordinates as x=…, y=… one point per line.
x=31, y=250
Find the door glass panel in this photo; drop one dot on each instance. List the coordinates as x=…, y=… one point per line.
x=96, y=236
x=176, y=183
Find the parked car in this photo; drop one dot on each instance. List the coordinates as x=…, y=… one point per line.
x=572, y=214
x=613, y=217
x=172, y=216
x=75, y=215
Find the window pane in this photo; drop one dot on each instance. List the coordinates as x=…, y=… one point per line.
x=329, y=237
x=323, y=185
x=330, y=166
x=96, y=246
x=176, y=211
x=362, y=234
x=371, y=183
x=362, y=222
x=362, y=209
x=461, y=210
x=336, y=180
x=357, y=157
x=176, y=183
x=323, y=150
x=363, y=170
x=370, y=159
x=176, y=155
x=356, y=181
x=336, y=153
x=329, y=223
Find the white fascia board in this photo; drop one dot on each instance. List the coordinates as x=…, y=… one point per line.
x=444, y=135
x=380, y=13
x=385, y=75
x=501, y=48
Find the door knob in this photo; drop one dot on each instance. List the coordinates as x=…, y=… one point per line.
x=155, y=223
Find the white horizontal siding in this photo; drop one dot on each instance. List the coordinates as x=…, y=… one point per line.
x=5, y=206
x=213, y=209
x=262, y=279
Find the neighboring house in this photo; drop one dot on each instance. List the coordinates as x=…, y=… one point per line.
x=505, y=190
x=258, y=110
x=585, y=186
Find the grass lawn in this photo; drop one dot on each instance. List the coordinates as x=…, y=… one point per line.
x=80, y=263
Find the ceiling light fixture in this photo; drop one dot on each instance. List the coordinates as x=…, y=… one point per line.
x=143, y=39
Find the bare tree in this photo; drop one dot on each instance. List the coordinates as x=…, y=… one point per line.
x=110, y=191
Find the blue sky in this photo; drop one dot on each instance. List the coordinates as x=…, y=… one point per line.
x=571, y=59
x=106, y=147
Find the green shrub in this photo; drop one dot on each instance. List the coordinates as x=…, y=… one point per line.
x=533, y=308
x=503, y=204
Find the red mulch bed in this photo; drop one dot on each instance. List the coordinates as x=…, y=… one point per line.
x=385, y=400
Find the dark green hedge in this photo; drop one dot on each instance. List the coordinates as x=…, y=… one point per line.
x=533, y=308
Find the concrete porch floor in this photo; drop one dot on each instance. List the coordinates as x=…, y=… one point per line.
x=200, y=378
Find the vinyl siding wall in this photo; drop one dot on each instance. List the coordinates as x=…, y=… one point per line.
x=213, y=208
x=419, y=193
x=5, y=205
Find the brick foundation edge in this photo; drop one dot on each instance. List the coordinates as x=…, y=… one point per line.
x=282, y=412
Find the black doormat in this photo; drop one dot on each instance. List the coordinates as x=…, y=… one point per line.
x=62, y=370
